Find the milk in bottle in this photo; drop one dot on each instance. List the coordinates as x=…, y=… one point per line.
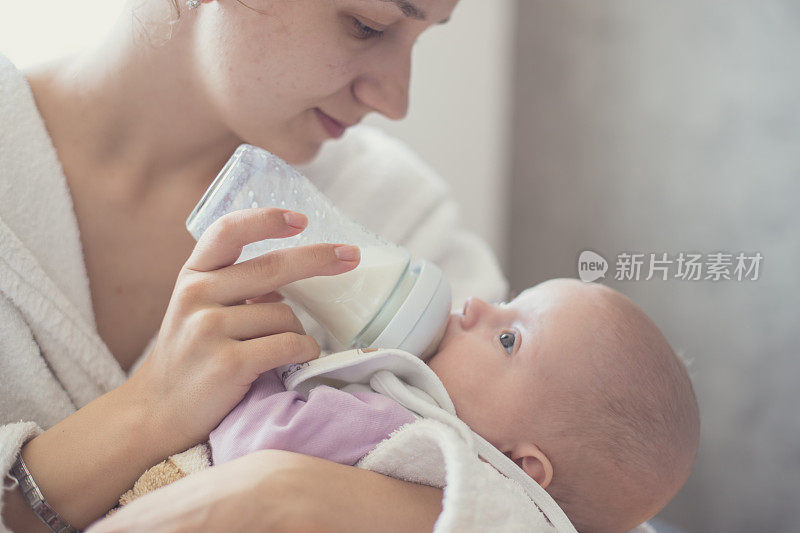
x=386, y=301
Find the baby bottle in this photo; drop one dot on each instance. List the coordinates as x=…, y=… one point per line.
x=385, y=302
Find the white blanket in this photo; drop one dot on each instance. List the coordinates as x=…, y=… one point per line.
x=477, y=498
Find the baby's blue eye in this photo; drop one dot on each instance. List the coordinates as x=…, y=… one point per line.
x=508, y=339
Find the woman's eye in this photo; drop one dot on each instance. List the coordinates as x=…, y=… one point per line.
x=362, y=31
x=508, y=339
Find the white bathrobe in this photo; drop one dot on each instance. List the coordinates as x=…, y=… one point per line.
x=52, y=360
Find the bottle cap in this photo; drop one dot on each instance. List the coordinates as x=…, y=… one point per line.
x=421, y=317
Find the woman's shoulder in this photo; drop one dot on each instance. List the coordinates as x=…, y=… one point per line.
x=8, y=71
x=28, y=159
x=24, y=141
x=38, y=226
x=16, y=100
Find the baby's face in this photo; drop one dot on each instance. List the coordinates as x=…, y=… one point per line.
x=501, y=363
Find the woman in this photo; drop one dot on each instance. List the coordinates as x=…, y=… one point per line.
x=129, y=134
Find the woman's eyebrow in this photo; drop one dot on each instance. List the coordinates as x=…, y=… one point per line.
x=410, y=10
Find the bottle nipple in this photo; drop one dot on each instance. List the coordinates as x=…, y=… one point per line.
x=434, y=345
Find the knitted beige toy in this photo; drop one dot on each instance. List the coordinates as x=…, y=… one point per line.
x=168, y=471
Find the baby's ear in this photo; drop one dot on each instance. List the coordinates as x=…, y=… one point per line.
x=534, y=462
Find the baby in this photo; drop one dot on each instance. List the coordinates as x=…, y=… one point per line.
x=572, y=381
x=579, y=387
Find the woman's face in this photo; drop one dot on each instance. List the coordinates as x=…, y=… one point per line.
x=274, y=77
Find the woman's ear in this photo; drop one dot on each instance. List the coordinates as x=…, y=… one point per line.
x=534, y=462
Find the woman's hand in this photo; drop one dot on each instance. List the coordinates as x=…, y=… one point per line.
x=211, y=346
x=212, y=343
x=279, y=491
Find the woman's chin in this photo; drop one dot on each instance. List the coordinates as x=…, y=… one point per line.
x=299, y=153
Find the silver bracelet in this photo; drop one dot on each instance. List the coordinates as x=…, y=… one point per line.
x=35, y=498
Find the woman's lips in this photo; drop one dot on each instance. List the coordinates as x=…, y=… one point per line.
x=334, y=128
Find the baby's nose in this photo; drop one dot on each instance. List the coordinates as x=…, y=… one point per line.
x=474, y=308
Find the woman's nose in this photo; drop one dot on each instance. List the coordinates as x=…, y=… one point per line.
x=474, y=309
x=384, y=85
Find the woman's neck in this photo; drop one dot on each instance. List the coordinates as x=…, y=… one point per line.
x=131, y=111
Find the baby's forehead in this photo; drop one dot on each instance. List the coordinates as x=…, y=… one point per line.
x=553, y=291
x=569, y=302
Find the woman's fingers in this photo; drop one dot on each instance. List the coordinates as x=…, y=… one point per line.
x=222, y=242
x=266, y=298
x=275, y=269
x=248, y=321
x=256, y=356
x=211, y=274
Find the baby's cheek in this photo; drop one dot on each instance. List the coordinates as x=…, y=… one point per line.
x=463, y=382
x=449, y=370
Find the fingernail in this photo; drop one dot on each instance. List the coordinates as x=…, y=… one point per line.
x=295, y=220
x=346, y=252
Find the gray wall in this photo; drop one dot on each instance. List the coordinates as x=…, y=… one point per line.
x=669, y=126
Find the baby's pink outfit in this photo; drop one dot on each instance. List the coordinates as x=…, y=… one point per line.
x=332, y=424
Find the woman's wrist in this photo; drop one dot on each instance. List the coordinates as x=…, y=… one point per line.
x=152, y=416
x=83, y=463
x=17, y=514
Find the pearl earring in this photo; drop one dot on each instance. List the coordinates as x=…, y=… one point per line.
x=192, y=3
